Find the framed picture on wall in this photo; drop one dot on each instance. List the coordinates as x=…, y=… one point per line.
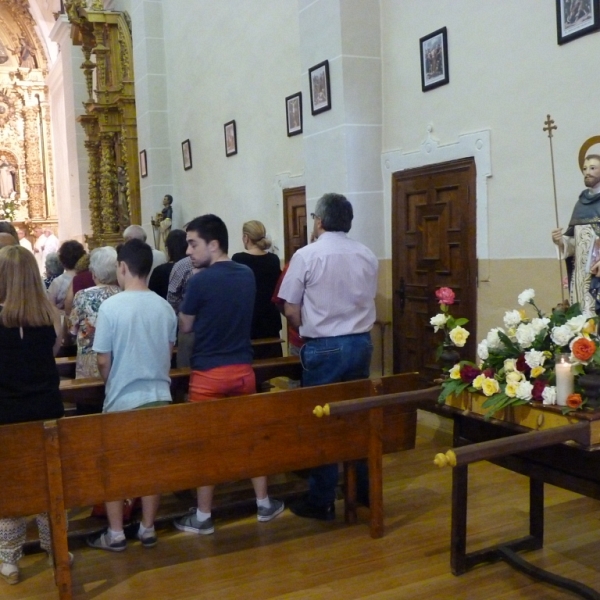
x=320, y=88
x=293, y=114
x=434, y=60
x=186, y=150
x=143, y=164
x=575, y=18
x=230, y=138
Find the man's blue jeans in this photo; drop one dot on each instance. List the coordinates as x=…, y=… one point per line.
x=333, y=360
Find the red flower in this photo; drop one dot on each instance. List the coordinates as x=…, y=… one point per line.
x=583, y=349
x=574, y=400
x=522, y=366
x=489, y=372
x=468, y=373
x=445, y=295
x=538, y=387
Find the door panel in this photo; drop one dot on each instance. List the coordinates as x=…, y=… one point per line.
x=434, y=245
x=294, y=206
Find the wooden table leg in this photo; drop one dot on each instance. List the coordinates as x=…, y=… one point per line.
x=458, y=536
x=350, y=492
x=376, y=471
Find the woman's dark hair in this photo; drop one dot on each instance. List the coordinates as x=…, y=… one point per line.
x=176, y=245
x=69, y=253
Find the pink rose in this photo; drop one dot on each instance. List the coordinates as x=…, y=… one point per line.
x=445, y=295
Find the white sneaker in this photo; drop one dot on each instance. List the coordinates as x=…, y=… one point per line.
x=10, y=573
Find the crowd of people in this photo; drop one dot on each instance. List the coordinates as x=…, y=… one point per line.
x=127, y=307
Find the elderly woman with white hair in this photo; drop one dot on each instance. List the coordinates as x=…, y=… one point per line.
x=86, y=303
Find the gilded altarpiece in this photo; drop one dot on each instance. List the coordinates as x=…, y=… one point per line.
x=110, y=118
x=26, y=165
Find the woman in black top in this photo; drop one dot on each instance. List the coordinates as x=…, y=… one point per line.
x=266, y=320
x=176, y=246
x=29, y=382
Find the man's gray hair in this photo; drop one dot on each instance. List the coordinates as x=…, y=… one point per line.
x=53, y=265
x=134, y=232
x=335, y=212
x=103, y=264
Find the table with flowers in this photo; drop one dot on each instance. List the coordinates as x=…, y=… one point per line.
x=529, y=404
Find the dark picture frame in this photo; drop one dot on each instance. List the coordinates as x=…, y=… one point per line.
x=320, y=88
x=576, y=18
x=434, y=59
x=230, y=132
x=186, y=151
x=143, y=164
x=293, y=114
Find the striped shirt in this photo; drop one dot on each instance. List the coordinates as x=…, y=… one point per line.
x=335, y=281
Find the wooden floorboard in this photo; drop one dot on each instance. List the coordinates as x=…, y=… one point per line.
x=298, y=559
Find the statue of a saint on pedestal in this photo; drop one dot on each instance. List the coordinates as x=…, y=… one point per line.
x=162, y=222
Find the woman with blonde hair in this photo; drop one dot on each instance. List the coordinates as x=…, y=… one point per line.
x=29, y=382
x=266, y=320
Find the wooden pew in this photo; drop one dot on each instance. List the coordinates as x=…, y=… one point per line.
x=90, y=392
x=218, y=441
x=66, y=360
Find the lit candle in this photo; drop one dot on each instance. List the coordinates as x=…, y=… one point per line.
x=564, y=380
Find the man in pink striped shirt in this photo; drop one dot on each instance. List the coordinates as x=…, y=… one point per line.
x=329, y=292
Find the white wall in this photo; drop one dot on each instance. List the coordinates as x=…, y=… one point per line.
x=224, y=61
x=506, y=74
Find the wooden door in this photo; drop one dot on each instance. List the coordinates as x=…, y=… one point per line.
x=433, y=245
x=294, y=208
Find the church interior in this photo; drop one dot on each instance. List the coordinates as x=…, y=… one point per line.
x=458, y=168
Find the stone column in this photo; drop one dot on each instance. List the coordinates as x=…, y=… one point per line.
x=343, y=145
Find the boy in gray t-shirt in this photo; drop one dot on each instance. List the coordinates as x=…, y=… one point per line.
x=134, y=341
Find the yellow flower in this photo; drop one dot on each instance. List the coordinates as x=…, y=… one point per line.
x=455, y=372
x=589, y=327
x=490, y=387
x=511, y=389
x=514, y=377
x=459, y=336
x=537, y=371
x=510, y=364
x=478, y=381
x=523, y=314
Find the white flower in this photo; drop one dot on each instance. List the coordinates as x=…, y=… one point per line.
x=512, y=318
x=510, y=364
x=549, y=395
x=438, y=321
x=482, y=350
x=561, y=335
x=535, y=358
x=493, y=341
x=576, y=324
x=524, y=390
x=526, y=296
x=525, y=335
x=539, y=324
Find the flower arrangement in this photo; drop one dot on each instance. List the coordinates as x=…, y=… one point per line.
x=9, y=208
x=454, y=332
x=517, y=362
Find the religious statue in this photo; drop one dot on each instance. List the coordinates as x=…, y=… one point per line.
x=7, y=178
x=580, y=243
x=25, y=54
x=162, y=222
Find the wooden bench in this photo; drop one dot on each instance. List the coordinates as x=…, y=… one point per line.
x=96, y=458
x=66, y=359
x=90, y=392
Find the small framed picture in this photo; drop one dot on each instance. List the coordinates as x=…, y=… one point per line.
x=320, y=88
x=186, y=150
x=293, y=113
x=575, y=18
x=434, y=60
x=230, y=138
x=143, y=164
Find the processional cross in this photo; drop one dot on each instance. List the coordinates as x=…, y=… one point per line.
x=550, y=126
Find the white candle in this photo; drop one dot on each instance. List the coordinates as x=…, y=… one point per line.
x=564, y=381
